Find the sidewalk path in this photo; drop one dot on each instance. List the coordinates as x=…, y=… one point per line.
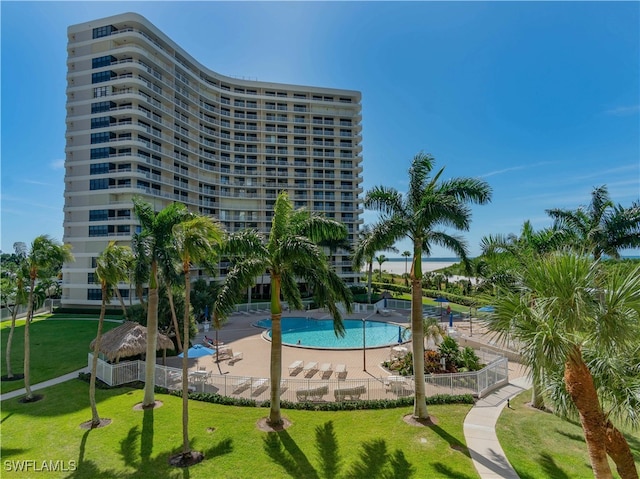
x=44, y=384
x=480, y=433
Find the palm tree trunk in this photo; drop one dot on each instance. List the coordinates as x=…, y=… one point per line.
x=124, y=308
x=369, y=278
x=185, y=364
x=14, y=314
x=174, y=318
x=275, y=416
x=95, y=418
x=417, y=341
x=152, y=339
x=618, y=450
x=27, y=339
x=580, y=386
x=537, y=399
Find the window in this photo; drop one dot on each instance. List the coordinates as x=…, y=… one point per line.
x=99, y=169
x=103, y=31
x=101, y=184
x=101, y=230
x=102, y=106
x=102, y=61
x=101, y=137
x=101, y=122
x=98, y=153
x=102, y=76
x=101, y=91
x=94, y=294
x=98, y=215
x=91, y=278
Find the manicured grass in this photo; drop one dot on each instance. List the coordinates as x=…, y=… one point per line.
x=58, y=346
x=540, y=445
x=351, y=444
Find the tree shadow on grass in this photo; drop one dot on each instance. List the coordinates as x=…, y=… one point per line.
x=574, y=437
x=551, y=468
x=453, y=442
x=445, y=471
x=143, y=464
x=374, y=460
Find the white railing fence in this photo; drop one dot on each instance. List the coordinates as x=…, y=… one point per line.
x=477, y=383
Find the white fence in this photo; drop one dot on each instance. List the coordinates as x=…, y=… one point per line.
x=477, y=383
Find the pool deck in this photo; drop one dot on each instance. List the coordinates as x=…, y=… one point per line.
x=239, y=334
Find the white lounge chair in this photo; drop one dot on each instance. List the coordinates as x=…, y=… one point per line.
x=341, y=371
x=236, y=357
x=241, y=384
x=259, y=386
x=310, y=369
x=350, y=394
x=326, y=370
x=295, y=367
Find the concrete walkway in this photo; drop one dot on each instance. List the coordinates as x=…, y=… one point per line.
x=44, y=384
x=480, y=433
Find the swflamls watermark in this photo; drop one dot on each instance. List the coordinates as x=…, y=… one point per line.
x=30, y=465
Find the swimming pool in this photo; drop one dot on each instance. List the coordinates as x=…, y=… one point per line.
x=318, y=333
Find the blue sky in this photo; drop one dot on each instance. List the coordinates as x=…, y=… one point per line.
x=540, y=99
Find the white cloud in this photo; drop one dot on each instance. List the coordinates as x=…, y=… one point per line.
x=57, y=164
x=623, y=110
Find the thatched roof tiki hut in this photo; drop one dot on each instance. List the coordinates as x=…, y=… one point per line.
x=128, y=339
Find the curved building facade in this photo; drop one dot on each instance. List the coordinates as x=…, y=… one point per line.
x=146, y=119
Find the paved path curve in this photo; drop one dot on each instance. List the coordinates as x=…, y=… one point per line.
x=480, y=433
x=44, y=384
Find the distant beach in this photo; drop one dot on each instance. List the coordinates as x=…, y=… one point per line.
x=397, y=265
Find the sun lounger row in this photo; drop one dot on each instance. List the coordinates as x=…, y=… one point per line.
x=350, y=394
x=311, y=368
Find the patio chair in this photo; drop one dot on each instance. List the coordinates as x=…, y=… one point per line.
x=236, y=357
x=295, y=367
x=310, y=369
x=259, y=386
x=349, y=394
x=341, y=371
x=326, y=370
x=312, y=394
x=241, y=384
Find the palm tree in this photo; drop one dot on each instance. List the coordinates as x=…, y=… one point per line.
x=600, y=228
x=431, y=329
x=365, y=251
x=154, y=242
x=170, y=275
x=14, y=294
x=112, y=267
x=45, y=253
x=506, y=257
x=565, y=311
x=196, y=239
x=428, y=204
x=380, y=259
x=291, y=253
x=406, y=255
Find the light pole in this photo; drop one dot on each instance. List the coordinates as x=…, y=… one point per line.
x=364, y=346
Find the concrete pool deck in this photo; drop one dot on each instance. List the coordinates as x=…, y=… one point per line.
x=239, y=334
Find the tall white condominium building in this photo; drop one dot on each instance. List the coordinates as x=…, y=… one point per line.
x=145, y=118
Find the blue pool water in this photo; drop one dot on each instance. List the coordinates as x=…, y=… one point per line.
x=319, y=333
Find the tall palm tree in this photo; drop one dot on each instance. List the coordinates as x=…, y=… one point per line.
x=112, y=267
x=601, y=228
x=170, y=275
x=406, y=255
x=380, y=259
x=45, y=252
x=365, y=252
x=196, y=240
x=290, y=253
x=428, y=204
x=565, y=311
x=155, y=244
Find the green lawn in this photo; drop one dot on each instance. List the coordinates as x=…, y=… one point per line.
x=58, y=346
x=540, y=445
x=346, y=444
